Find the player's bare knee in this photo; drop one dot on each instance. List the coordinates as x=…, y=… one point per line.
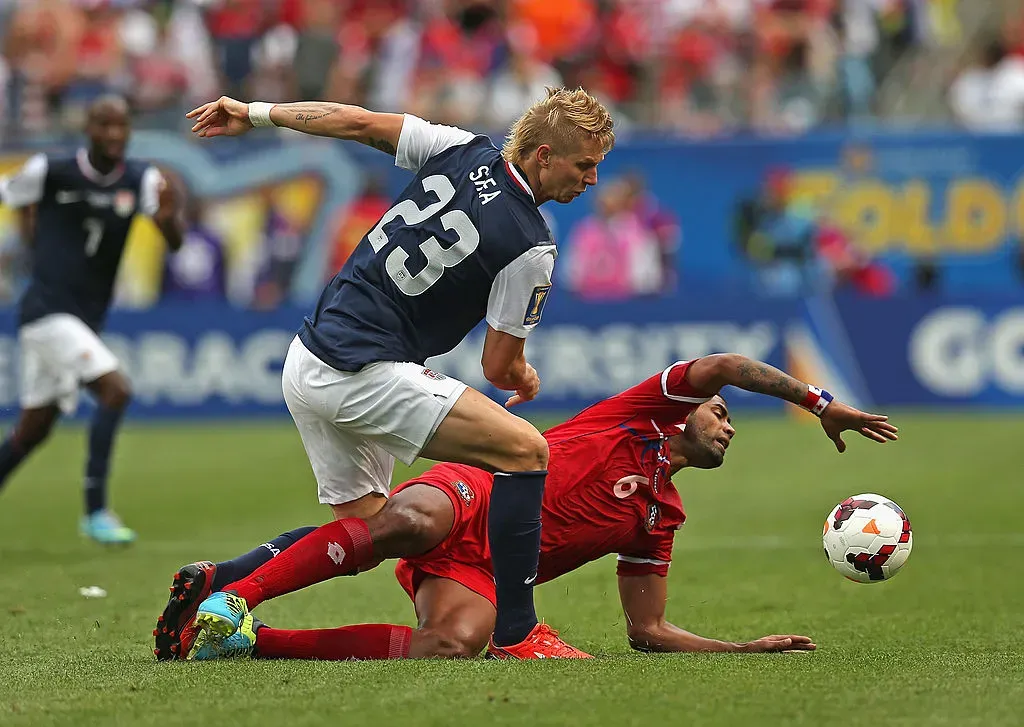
x=117, y=394
x=34, y=431
x=528, y=451
x=35, y=426
x=404, y=529
x=447, y=644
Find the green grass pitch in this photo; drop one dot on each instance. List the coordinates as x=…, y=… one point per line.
x=942, y=643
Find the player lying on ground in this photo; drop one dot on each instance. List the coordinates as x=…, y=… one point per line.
x=464, y=242
x=75, y=213
x=609, y=491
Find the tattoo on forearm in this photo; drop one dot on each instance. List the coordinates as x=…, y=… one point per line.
x=764, y=379
x=312, y=115
x=383, y=144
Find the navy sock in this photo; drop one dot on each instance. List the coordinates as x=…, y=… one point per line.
x=241, y=567
x=11, y=456
x=513, y=524
x=101, y=441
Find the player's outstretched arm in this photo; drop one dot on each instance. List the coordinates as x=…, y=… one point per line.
x=230, y=117
x=711, y=373
x=643, y=601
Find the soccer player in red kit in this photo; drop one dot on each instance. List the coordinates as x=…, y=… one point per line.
x=609, y=491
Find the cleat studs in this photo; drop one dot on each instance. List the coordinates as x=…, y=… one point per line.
x=161, y=619
x=172, y=634
x=174, y=648
x=188, y=586
x=155, y=632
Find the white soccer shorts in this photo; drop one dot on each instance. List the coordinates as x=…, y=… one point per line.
x=354, y=425
x=59, y=353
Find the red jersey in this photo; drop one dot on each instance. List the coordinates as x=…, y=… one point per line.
x=608, y=491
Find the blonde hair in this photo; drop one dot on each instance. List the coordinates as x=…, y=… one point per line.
x=561, y=121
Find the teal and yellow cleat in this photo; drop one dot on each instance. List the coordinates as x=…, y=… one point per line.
x=219, y=616
x=105, y=527
x=237, y=646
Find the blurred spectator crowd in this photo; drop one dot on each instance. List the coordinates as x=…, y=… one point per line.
x=988, y=93
x=697, y=67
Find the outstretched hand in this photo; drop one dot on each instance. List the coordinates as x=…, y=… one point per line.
x=838, y=418
x=223, y=117
x=775, y=643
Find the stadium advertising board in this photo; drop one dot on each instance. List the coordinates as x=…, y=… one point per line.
x=216, y=361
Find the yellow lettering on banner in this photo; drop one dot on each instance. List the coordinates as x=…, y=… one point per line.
x=867, y=213
x=818, y=186
x=975, y=216
x=915, y=229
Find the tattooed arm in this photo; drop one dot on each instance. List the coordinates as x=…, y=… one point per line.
x=229, y=117
x=711, y=373
x=341, y=121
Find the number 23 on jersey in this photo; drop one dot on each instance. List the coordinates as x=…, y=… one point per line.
x=438, y=258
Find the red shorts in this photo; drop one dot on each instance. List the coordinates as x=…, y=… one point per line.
x=464, y=556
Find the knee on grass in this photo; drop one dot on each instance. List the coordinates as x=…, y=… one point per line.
x=445, y=644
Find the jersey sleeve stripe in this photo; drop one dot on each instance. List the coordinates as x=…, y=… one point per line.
x=642, y=561
x=673, y=397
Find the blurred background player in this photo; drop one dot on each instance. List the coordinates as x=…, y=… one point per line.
x=609, y=491
x=75, y=213
x=463, y=243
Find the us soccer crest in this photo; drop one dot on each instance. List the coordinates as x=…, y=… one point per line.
x=464, y=492
x=124, y=202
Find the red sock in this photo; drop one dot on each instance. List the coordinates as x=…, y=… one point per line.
x=365, y=641
x=331, y=550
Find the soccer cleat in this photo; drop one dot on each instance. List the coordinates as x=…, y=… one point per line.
x=237, y=646
x=174, y=631
x=219, y=616
x=105, y=527
x=541, y=643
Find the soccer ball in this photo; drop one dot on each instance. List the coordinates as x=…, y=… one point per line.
x=867, y=538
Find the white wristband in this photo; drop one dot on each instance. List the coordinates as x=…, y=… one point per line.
x=259, y=114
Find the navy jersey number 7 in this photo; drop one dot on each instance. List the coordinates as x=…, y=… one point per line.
x=463, y=242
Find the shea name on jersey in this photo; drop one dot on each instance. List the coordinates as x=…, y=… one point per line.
x=482, y=179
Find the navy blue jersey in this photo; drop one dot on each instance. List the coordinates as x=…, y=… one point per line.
x=463, y=242
x=81, y=225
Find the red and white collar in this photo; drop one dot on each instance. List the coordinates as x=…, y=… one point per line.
x=518, y=179
x=93, y=175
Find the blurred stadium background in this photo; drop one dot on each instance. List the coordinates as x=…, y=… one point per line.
x=831, y=185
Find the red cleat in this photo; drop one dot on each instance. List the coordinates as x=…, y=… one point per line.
x=174, y=631
x=541, y=643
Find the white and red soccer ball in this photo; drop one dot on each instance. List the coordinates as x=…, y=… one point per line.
x=867, y=538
